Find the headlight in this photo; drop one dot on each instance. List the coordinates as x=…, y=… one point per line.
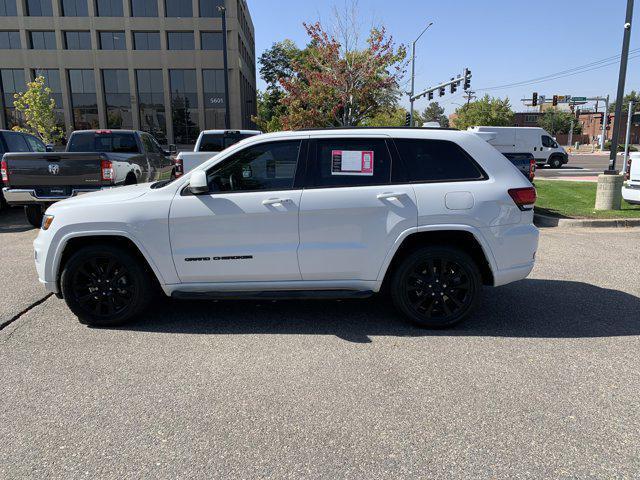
x=47, y=220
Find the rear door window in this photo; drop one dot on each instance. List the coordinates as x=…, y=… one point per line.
x=436, y=161
x=350, y=162
x=16, y=142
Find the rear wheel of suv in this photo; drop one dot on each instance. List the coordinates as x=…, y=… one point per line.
x=34, y=215
x=105, y=286
x=436, y=287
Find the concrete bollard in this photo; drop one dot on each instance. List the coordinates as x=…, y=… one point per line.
x=609, y=193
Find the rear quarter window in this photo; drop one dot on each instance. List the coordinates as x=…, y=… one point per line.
x=436, y=161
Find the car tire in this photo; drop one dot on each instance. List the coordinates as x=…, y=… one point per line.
x=105, y=286
x=34, y=215
x=436, y=287
x=555, y=162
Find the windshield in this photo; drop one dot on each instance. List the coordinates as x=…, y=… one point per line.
x=216, y=142
x=112, y=142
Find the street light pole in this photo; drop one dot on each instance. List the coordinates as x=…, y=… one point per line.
x=617, y=121
x=413, y=74
x=227, y=113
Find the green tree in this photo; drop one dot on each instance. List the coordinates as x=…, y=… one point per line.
x=393, y=117
x=632, y=95
x=556, y=121
x=433, y=113
x=485, y=111
x=38, y=109
x=270, y=110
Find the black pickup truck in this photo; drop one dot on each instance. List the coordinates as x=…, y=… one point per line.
x=523, y=162
x=93, y=160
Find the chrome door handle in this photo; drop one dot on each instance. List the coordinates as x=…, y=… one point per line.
x=276, y=201
x=388, y=195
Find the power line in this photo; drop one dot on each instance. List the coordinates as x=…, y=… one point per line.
x=605, y=62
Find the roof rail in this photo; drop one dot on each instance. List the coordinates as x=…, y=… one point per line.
x=374, y=128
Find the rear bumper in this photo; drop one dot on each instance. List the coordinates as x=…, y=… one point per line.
x=631, y=193
x=20, y=196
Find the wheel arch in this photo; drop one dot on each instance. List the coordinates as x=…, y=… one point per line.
x=72, y=243
x=460, y=236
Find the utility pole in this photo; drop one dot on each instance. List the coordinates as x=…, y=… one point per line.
x=627, y=137
x=605, y=117
x=621, y=81
x=413, y=74
x=571, y=132
x=227, y=111
x=470, y=95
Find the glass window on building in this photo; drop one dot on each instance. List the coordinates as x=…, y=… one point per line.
x=184, y=106
x=180, y=41
x=11, y=81
x=209, y=8
x=151, y=103
x=8, y=8
x=77, y=40
x=112, y=41
x=9, y=40
x=117, y=98
x=74, y=8
x=144, y=8
x=109, y=8
x=178, y=8
x=42, y=40
x=211, y=40
x=214, y=98
x=52, y=80
x=39, y=8
x=84, y=102
x=146, y=40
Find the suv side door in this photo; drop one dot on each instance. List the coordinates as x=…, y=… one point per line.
x=246, y=228
x=351, y=213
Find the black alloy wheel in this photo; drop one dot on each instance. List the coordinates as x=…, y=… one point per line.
x=437, y=287
x=105, y=286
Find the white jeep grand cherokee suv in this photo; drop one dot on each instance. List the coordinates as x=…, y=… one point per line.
x=433, y=214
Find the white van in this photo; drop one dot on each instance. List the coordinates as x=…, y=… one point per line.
x=534, y=140
x=631, y=191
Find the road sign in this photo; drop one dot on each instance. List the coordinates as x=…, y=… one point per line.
x=578, y=99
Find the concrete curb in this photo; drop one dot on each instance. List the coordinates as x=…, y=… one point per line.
x=546, y=221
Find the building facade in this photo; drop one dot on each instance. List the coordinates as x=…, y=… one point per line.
x=152, y=65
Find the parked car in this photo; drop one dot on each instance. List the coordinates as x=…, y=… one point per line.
x=523, y=162
x=433, y=214
x=208, y=145
x=11, y=141
x=93, y=160
x=534, y=140
x=631, y=190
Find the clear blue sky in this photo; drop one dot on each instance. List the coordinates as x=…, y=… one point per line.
x=502, y=41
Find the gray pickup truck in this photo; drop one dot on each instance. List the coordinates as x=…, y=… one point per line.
x=93, y=160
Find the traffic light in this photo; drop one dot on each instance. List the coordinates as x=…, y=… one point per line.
x=467, y=79
x=453, y=86
x=442, y=91
x=609, y=117
x=534, y=101
x=430, y=95
x=555, y=101
x=407, y=121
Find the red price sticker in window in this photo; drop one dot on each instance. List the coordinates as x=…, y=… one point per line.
x=352, y=162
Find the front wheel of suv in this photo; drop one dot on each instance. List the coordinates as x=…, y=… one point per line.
x=436, y=287
x=105, y=286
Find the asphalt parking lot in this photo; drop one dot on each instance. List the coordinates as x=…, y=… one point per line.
x=542, y=382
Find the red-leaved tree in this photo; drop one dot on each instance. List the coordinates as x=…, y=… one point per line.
x=336, y=84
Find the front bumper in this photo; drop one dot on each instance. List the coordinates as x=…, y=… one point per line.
x=27, y=196
x=631, y=193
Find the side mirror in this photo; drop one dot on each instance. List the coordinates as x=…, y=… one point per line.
x=198, y=183
x=48, y=148
x=173, y=149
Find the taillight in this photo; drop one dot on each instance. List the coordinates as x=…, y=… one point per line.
x=106, y=170
x=179, y=167
x=524, y=198
x=532, y=169
x=5, y=172
x=627, y=175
